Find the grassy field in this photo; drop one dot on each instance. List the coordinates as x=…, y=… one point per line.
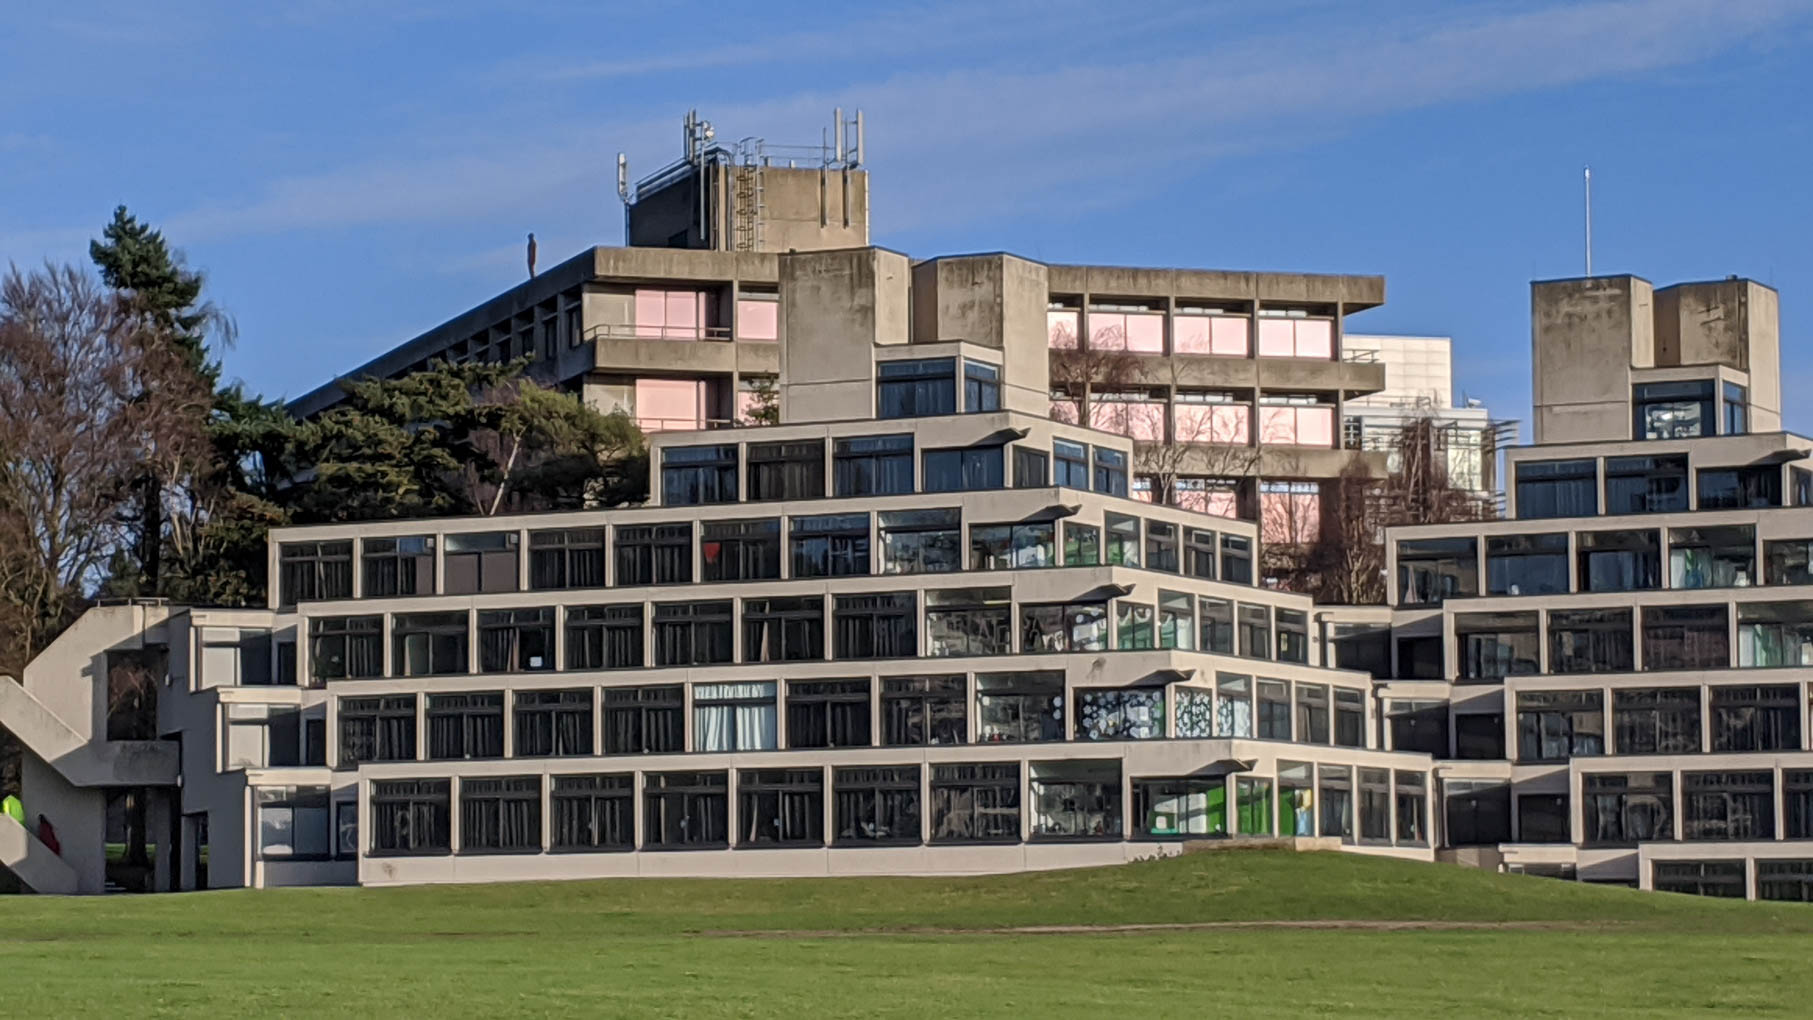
x=1393, y=939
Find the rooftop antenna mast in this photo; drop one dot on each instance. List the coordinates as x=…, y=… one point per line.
x=1587, y=173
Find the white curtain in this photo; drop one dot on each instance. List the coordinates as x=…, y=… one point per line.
x=731, y=726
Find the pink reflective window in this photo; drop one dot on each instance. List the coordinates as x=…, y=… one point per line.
x=1222, y=503
x=1108, y=417
x=670, y=314
x=1107, y=331
x=651, y=312
x=1278, y=426
x=1136, y=419
x=758, y=320
x=665, y=405
x=1146, y=333
x=1062, y=330
x=1297, y=425
x=683, y=313
x=1213, y=423
x=1229, y=336
x=1315, y=338
x=1315, y=426
x=1066, y=411
x=1142, y=490
x=1190, y=334
x=1277, y=338
x=1290, y=518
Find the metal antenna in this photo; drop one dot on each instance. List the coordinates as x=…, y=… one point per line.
x=1588, y=173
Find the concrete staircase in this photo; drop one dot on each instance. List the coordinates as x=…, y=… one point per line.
x=35, y=866
x=81, y=761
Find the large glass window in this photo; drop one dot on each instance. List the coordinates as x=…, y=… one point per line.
x=694, y=633
x=1161, y=547
x=1755, y=718
x=515, y=640
x=465, y=726
x=1728, y=805
x=377, y=729
x=698, y=475
x=593, y=812
x=780, y=807
x=1657, y=720
x=1685, y=637
x=1526, y=564
x=872, y=466
x=1712, y=557
x=1412, y=802
x=1784, y=881
x=1032, y=468
x=981, y=387
x=1557, y=488
x=314, y=570
x=734, y=717
x=1797, y=803
x=969, y=621
x=1350, y=717
x=1496, y=645
x=830, y=545
x=1740, y=488
x=1724, y=879
x=566, y=558
x=1236, y=559
x=1672, y=410
x=1646, y=485
x=1557, y=725
x=1013, y=708
x=1076, y=800
x=686, y=810
x=920, y=710
x=916, y=389
x=1296, y=799
x=1433, y=569
x=921, y=541
x=1418, y=726
x=1620, y=560
x=1623, y=808
x=604, y=637
x=654, y=554
x=397, y=566
x=1312, y=713
x=1478, y=812
x=1737, y=409
x=876, y=805
x=965, y=469
x=790, y=629
x=1176, y=621
x=1013, y=546
x=552, y=723
x=428, y=644
x=1110, y=471
x=1775, y=634
x=1375, y=805
x=1199, y=553
x=644, y=720
x=828, y=713
x=880, y=626
x=346, y=647
x=1788, y=562
x=787, y=470
x=1255, y=625
x=1334, y=790
x=1133, y=630
x=411, y=816
x=500, y=814
x=292, y=823
x=1064, y=627
x=740, y=550
x=1120, y=713
x=1170, y=808
x=1274, y=700
x=484, y=562
x=1234, y=705
x=1069, y=464
x=976, y=803
x=1591, y=641
x=1216, y=624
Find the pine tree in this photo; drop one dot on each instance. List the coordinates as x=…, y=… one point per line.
x=134, y=259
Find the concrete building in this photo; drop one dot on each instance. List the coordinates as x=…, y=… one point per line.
x=1615, y=679
x=919, y=627
x=1419, y=387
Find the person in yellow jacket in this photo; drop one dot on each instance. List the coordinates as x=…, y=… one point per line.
x=11, y=807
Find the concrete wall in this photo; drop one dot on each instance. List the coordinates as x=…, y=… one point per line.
x=801, y=209
x=1586, y=336
x=993, y=301
x=836, y=306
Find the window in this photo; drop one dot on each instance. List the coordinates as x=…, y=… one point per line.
x=1294, y=337
x=1120, y=713
x=1662, y=720
x=1312, y=713
x=1800, y=486
x=567, y=558
x=789, y=470
x=1775, y=634
x=1412, y=801
x=965, y=469
x=1013, y=546
x=500, y=815
x=1740, y=488
x=1685, y=637
x=346, y=647
x=921, y=710
x=1070, y=464
x=1199, y=553
x=1076, y=800
x=1787, y=562
x=734, y=717
x=346, y=829
x=411, y=816
x=1274, y=697
x=1066, y=627
x=686, y=810
x=1590, y=641
x=1496, y=645
x=1133, y=626
x=788, y=629
x=1217, y=624
x=1672, y=410
x=465, y=726
x=1418, y=726
x=1032, y=468
x=670, y=314
x=921, y=541
x=377, y=729
x=781, y=807
x=1015, y=708
x=981, y=387
x=1557, y=488
x=654, y=554
x=1296, y=799
x=1293, y=635
x=1479, y=812
x=604, y=637
x=1628, y=808
x=1126, y=328
x=1620, y=560
x=1334, y=789
x=1236, y=559
x=1110, y=472
x=1161, y=547
x=976, y=803
x=258, y=736
x=1204, y=331
x=1433, y=569
x=551, y=723
x=1790, y=881
x=428, y=644
x=1558, y=725
x=593, y=812
x=1737, y=409
x=515, y=640
x=1169, y=808
x=1255, y=631
x=1728, y=805
x=1253, y=806
x=314, y=570
x=740, y=550
x=882, y=626
x=832, y=545
x=1526, y=564
x=828, y=713
x=397, y=566
x=876, y=805
x=969, y=621
x=480, y=563
x=1375, y=805
x=699, y=475
x=1724, y=879
x=1755, y=718
x=1646, y=485
x=693, y=633
x=292, y=823
x=1479, y=737
x=1350, y=717
x=916, y=389
x=1797, y=803
x=1082, y=545
x=644, y=720
x=1062, y=329
x=1176, y=621
x=1290, y=513
x=1123, y=540
x=872, y=466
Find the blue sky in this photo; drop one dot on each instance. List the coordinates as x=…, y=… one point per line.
x=351, y=173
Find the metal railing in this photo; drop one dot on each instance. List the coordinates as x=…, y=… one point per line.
x=1359, y=357
x=631, y=331
x=683, y=424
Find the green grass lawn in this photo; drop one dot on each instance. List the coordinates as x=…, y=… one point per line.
x=921, y=947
